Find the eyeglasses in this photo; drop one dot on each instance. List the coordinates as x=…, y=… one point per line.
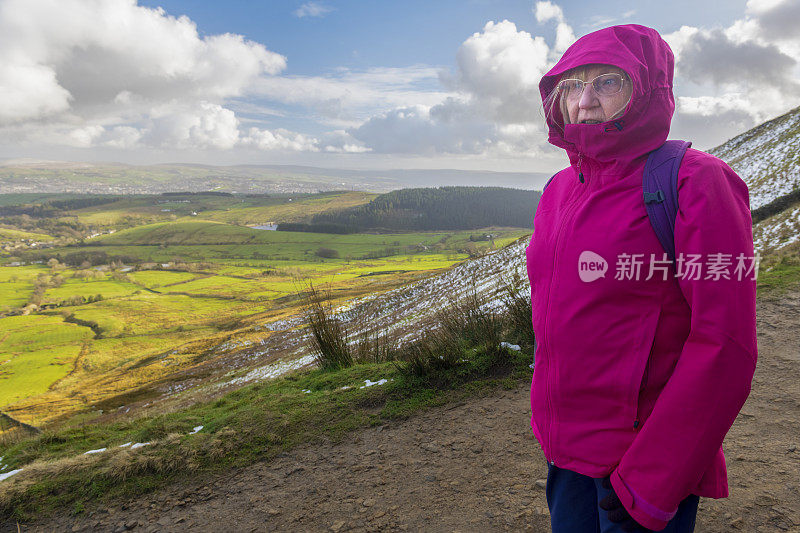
x=604, y=85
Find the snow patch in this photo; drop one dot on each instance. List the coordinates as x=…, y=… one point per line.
x=99, y=450
x=9, y=474
x=369, y=383
x=273, y=370
x=514, y=347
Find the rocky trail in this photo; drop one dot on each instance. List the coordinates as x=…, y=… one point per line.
x=476, y=467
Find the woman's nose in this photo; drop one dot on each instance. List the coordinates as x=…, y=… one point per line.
x=588, y=97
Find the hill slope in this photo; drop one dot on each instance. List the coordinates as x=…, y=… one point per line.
x=473, y=466
x=767, y=158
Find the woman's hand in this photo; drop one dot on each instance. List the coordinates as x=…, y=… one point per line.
x=617, y=512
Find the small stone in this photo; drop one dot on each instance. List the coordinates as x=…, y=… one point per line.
x=764, y=500
x=541, y=483
x=369, y=502
x=736, y=523
x=294, y=471
x=793, y=448
x=337, y=526
x=273, y=512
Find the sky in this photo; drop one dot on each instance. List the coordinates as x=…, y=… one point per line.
x=368, y=84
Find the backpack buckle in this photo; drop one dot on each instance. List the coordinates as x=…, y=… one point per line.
x=651, y=197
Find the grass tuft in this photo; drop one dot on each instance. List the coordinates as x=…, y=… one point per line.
x=328, y=333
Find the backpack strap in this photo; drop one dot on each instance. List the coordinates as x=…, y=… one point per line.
x=548, y=182
x=660, y=188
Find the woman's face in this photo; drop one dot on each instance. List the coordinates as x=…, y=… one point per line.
x=589, y=107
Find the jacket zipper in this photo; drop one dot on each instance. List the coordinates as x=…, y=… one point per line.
x=642, y=385
x=564, y=219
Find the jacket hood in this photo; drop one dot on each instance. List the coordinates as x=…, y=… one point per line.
x=648, y=60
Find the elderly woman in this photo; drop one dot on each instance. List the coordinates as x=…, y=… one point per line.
x=641, y=366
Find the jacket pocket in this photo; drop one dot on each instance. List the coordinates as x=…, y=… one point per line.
x=643, y=364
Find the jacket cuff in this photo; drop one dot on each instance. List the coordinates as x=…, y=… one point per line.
x=645, y=513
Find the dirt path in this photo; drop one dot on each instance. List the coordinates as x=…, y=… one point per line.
x=476, y=467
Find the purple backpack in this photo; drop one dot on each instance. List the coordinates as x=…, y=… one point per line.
x=660, y=188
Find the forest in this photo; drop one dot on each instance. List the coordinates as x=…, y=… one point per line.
x=423, y=209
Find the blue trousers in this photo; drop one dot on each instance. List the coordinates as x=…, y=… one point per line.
x=574, y=500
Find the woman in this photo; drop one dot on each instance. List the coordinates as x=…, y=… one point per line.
x=638, y=375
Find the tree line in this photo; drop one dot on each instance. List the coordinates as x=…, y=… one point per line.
x=421, y=209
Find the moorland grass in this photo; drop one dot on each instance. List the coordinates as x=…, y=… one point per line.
x=779, y=276
x=259, y=421
x=256, y=422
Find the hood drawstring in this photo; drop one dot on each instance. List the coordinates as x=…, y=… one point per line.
x=580, y=174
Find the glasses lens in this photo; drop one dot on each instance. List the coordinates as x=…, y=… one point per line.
x=571, y=88
x=607, y=84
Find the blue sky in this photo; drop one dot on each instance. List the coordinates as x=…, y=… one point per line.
x=356, y=84
x=380, y=33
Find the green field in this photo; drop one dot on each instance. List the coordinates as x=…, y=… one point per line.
x=12, y=235
x=228, y=209
x=78, y=287
x=170, y=286
x=35, y=352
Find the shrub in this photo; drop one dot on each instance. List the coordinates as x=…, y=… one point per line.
x=518, y=312
x=435, y=352
x=328, y=334
x=327, y=253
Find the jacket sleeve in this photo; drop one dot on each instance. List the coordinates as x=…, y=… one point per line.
x=712, y=376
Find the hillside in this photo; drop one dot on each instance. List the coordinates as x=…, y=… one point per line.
x=439, y=208
x=767, y=158
x=469, y=465
x=169, y=291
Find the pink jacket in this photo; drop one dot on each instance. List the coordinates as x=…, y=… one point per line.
x=639, y=378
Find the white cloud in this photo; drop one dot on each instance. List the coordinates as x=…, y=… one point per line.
x=415, y=130
x=739, y=76
x=546, y=11
x=280, y=140
x=346, y=98
x=496, y=101
x=205, y=125
x=96, y=72
x=312, y=9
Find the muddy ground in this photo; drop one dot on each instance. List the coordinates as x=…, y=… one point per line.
x=476, y=467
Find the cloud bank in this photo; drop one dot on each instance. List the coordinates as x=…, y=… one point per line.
x=110, y=74
x=748, y=72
